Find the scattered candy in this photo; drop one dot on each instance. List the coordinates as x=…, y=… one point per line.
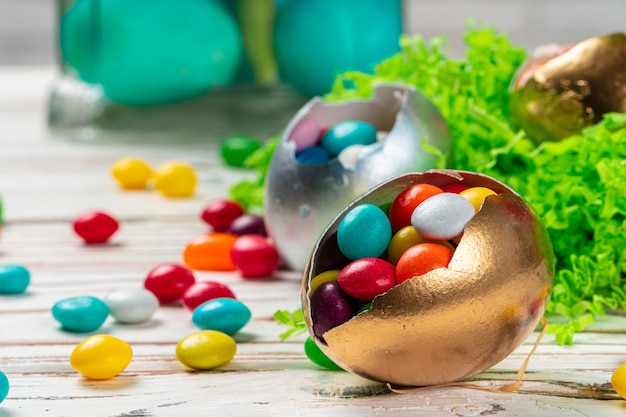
x=175, y=179
x=168, y=282
x=254, y=256
x=315, y=355
x=219, y=214
x=347, y=133
x=95, y=227
x=421, y=259
x=134, y=305
x=330, y=307
x=80, y=313
x=236, y=149
x=101, y=356
x=225, y=315
x=476, y=195
x=442, y=216
x=206, y=349
x=618, y=380
x=366, y=278
x=203, y=291
x=131, y=173
x=247, y=224
x=210, y=252
x=4, y=386
x=14, y=279
x=364, y=232
x=405, y=203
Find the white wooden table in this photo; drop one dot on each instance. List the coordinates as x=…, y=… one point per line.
x=45, y=182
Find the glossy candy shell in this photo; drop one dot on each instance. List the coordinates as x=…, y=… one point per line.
x=453, y=322
x=101, y=356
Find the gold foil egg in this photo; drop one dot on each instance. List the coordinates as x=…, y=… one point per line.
x=450, y=323
x=301, y=199
x=561, y=90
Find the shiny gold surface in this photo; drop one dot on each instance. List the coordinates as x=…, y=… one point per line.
x=449, y=323
x=572, y=90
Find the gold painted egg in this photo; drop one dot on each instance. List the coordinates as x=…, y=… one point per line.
x=452, y=322
x=560, y=90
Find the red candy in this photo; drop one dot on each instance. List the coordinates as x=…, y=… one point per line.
x=95, y=227
x=422, y=258
x=254, y=256
x=220, y=214
x=168, y=282
x=203, y=291
x=455, y=187
x=403, y=205
x=366, y=278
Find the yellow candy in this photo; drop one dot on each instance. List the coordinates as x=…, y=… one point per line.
x=101, y=356
x=406, y=238
x=476, y=195
x=618, y=380
x=206, y=349
x=131, y=173
x=175, y=179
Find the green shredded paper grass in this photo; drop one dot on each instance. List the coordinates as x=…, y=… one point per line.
x=577, y=186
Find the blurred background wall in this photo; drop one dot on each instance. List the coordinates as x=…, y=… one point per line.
x=28, y=34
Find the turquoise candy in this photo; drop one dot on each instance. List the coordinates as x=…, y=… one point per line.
x=312, y=155
x=81, y=313
x=151, y=52
x=225, y=315
x=4, y=386
x=348, y=133
x=315, y=355
x=364, y=232
x=14, y=279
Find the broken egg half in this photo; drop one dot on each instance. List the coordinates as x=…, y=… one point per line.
x=302, y=198
x=449, y=323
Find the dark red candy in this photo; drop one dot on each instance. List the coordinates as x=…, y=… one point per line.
x=95, y=227
x=366, y=278
x=455, y=187
x=247, y=224
x=219, y=214
x=202, y=291
x=254, y=256
x=168, y=282
x=330, y=307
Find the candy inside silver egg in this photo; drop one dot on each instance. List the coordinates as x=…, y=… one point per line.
x=301, y=200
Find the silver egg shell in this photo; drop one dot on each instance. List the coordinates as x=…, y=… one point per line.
x=301, y=200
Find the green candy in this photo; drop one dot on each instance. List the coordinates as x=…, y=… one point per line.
x=315, y=354
x=236, y=149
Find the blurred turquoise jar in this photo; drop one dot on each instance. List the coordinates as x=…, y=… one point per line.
x=314, y=40
x=151, y=52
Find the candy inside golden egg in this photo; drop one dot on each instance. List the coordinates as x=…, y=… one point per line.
x=452, y=322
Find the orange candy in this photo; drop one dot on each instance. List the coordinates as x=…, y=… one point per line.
x=422, y=258
x=210, y=252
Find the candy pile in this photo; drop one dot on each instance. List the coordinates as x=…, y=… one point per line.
x=344, y=140
x=385, y=246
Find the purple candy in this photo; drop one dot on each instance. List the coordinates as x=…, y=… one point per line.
x=248, y=224
x=330, y=307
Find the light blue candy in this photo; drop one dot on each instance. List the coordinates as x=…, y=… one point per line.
x=226, y=315
x=364, y=232
x=442, y=216
x=14, y=279
x=312, y=155
x=348, y=133
x=4, y=386
x=80, y=314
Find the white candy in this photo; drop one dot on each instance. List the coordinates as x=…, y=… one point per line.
x=351, y=155
x=130, y=306
x=442, y=216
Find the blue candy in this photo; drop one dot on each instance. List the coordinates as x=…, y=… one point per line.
x=14, y=279
x=226, y=315
x=81, y=313
x=364, y=232
x=4, y=386
x=348, y=133
x=312, y=155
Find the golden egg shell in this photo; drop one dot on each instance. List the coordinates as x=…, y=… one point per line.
x=556, y=96
x=450, y=323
